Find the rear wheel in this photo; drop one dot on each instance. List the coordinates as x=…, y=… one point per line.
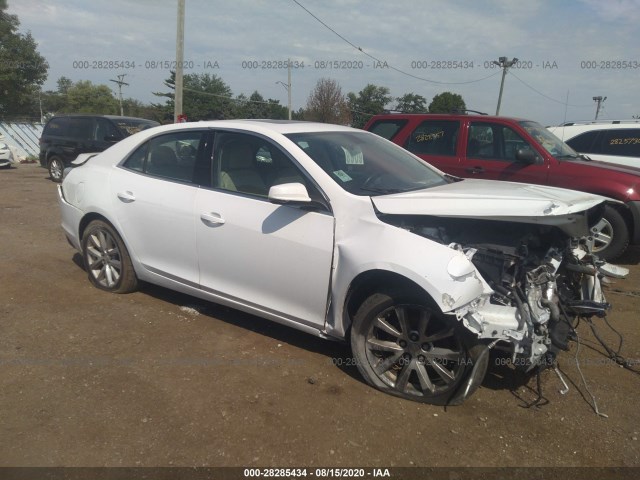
x=106, y=259
x=56, y=168
x=406, y=347
x=610, y=234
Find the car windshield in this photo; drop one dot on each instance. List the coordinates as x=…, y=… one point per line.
x=130, y=126
x=365, y=164
x=548, y=140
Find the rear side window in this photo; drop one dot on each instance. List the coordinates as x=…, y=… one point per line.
x=623, y=142
x=387, y=128
x=57, y=127
x=181, y=156
x=585, y=142
x=434, y=137
x=80, y=128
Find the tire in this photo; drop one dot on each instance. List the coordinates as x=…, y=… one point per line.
x=106, y=259
x=56, y=168
x=405, y=347
x=611, y=235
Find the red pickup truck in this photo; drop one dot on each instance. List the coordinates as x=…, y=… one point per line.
x=517, y=150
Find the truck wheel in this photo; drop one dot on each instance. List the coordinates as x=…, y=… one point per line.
x=611, y=235
x=405, y=347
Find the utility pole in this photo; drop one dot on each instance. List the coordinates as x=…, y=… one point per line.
x=504, y=64
x=287, y=86
x=599, y=101
x=120, y=83
x=179, y=62
x=289, y=83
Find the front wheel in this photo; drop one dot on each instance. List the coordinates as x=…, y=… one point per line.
x=106, y=259
x=610, y=235
x=407, y=348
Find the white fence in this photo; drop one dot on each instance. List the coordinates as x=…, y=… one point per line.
x=24, y=137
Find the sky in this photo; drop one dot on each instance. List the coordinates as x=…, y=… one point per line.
x=569, y=51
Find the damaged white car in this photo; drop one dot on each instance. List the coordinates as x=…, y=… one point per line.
x=340, y=233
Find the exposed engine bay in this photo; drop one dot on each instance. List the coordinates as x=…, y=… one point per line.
x=542, y=280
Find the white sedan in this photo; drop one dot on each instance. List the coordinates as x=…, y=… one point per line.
x=341, y=234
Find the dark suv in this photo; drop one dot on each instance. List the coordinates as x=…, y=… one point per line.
x=66, y=137
x=501, y=148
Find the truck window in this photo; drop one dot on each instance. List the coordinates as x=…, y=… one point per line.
x=434, y=137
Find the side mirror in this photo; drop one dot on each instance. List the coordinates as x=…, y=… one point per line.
x=289, y=193
x=528, y=156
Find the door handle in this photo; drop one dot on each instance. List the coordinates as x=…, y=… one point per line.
x=126, y=197
x=212, y=217
x=475, y=170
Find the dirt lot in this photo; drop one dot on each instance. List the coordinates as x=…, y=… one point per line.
x=154, y=378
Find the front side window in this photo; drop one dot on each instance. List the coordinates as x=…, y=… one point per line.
x=251, y=165
x=180, y=156
x=434, y=137
x=365, y=164
x=494, y=141
x=105, y=130
x=129, y=126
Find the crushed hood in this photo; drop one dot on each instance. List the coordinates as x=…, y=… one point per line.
x=495, y=200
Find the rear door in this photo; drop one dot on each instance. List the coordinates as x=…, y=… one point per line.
x=154, y=193
x=438, y=143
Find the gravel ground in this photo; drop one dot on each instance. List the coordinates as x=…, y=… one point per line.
x=154, y=378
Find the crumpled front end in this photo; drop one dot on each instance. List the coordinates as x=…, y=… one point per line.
x=541, y=279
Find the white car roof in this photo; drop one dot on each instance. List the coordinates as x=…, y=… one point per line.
x=258, y=125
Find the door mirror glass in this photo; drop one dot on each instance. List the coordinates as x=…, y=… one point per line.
x=526, y=155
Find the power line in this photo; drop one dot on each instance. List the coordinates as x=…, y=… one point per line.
x=543, y=95
x=387, y=63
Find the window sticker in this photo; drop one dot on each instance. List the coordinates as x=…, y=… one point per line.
x=624, y=141
x=427, y=137
x=353, y=156
x=342, y=175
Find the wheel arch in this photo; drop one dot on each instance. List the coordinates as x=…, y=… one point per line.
x=369, y=282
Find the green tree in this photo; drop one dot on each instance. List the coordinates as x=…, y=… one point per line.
x=411, y=103
x=135, y=108
x=80, y=97
x=370, y=101
x=86, y=97
x=327, y=104
x=447, y=102
x=204, y=97
x=257, y=107
x=22, y=69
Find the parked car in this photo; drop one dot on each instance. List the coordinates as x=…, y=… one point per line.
x=342, y=234
x=613, y=141
x=65, y=137
x=6, y=156
x=501, y=148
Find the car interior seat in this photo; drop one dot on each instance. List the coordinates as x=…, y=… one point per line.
x=238, y=171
